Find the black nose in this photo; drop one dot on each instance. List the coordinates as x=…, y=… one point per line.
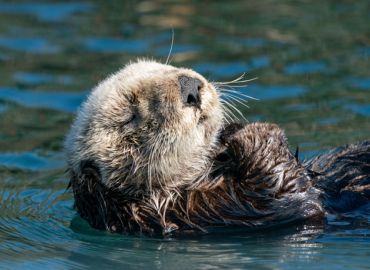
x=190, y=90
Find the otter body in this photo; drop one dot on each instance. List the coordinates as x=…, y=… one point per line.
x=152, y=152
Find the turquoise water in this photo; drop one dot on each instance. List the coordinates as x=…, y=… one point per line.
x=312, y=63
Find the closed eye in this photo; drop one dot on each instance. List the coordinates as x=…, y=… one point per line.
x=129, y=120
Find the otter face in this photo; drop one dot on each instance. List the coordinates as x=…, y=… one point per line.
x=149, y=125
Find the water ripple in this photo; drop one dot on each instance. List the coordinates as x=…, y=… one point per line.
x=32, y=78
x=31, y=161
x=361, y=83
x=31, y=45
x=3, y=108
x=50, y=12
x=305, y=68
x=249, y=42
x=34, y=227
x=178, y=48
x=113, y=45
x=234, y=68
x=263, y=92
x=362, y=109
x=57, y=100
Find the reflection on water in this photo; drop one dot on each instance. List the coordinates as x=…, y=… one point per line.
x=115, y=45
x=312, y=64
x=305, y=68
x=50, y=12
x=31, y=45
x=30, y=161
x=63, y=101
x=41, y=78
x=2, y=108
x=274, y=92
x=360, y=109
x=363, y=83
x=232, y=69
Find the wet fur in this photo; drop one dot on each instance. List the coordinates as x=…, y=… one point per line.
x=232, y=175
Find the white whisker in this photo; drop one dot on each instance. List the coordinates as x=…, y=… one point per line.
x=231, y=90
x=226, y=115
x=238, y=101
x=235, y=98
x=229, y=107
x=238, y=80
x=238, y=111
x=232, y=81
x=172, y=40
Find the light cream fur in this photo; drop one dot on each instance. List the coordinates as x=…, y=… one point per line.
x=135, y=127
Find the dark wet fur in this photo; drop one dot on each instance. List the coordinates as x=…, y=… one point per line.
x=343, y=175
x=256, y=182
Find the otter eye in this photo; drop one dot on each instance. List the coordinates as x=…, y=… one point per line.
x=129, y=120
x=133, y=99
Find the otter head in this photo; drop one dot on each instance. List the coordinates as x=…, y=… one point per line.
x=147, y=126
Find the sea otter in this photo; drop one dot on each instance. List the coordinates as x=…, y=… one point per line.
x=154, y=151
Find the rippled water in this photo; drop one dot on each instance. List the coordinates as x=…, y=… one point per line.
x=312, y=61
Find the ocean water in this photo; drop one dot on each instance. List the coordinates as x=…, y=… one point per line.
x=312, y=63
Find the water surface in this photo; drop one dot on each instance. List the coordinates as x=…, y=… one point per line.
x=312, y=63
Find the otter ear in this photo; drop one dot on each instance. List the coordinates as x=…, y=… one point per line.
x=89, y=173
x=87, y=191
x=89, y=167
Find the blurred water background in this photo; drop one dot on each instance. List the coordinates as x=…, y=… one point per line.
x=312, y=61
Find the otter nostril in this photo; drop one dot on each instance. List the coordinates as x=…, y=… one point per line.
x=189, y=88
x=191, y=100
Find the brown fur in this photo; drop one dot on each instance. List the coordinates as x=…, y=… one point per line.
x=173, y=169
